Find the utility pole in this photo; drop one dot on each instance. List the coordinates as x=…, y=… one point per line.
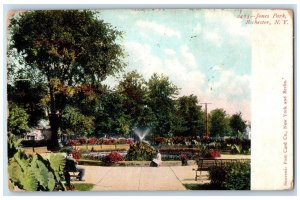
x=206, y=120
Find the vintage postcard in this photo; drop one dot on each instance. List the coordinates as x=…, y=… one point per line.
x=150, y=99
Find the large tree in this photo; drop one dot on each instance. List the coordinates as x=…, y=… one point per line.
x=68, y=48
x=218, y=123
x=135, y=92
x=237, y=124
x=162, y=93
x=191, y=117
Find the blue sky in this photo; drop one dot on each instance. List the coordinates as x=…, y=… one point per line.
x=204, y=52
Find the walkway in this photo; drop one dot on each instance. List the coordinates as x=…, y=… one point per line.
x=139, y=178
x=145, y=178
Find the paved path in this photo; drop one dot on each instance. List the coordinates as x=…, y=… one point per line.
x=145, y=178
x=139, y=178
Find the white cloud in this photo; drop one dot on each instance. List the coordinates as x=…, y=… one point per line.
x=214, y=37
x=188, y=57
x=141, y=58
x=231, y=91
x=228, y=90
x=233, y=25
x=169, y=52
x=197, y=28
x=159, y=29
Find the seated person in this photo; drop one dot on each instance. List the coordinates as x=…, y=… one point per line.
x=71, y=166
x=157, y=161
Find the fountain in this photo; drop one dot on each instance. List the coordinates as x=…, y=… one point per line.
x=141, y=150
x=141, y=133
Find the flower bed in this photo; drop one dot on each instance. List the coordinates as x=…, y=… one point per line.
x=112, y=158
x=100, y=141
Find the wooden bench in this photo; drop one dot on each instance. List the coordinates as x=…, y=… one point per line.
x=205, y=164
x=71, y=169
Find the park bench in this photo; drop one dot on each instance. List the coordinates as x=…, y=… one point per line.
x=205, y=164
x=70, y=169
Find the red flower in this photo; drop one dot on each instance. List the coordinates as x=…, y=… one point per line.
x=106, y=141
x=83, y=141
x=113, y=157
x=129, y=141
x=73, y=142
x=76, y=155
x=92, y=141
x=183, y=157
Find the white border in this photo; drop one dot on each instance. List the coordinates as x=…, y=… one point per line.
x=138, y=3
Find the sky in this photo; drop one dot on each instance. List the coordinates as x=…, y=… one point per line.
x=206, y=53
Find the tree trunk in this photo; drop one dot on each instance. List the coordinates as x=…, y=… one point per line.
x=54, y=121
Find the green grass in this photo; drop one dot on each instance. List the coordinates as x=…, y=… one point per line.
x=203, y=187
x=83, y=186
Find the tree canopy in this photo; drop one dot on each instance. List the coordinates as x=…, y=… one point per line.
x=68, y=48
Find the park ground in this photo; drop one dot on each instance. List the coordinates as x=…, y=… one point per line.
x=143, y=178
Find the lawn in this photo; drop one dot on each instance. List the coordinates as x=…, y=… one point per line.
x=203, y=187
x=83, y=186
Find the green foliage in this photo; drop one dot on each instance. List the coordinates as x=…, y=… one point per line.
x=219, y=123
x=73, y=121
x=234, y=176
x=238, y=176
x=161, y=101
x=69, y=47
x=83, y=186
x=28, y=94
x=17, y=120
x=140, y=151
x=134, y=90
x=34, y=173
x=217, y=175
x=237, y=124
x=13, y=145
x=191, y=117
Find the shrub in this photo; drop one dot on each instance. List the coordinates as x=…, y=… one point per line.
x=238, y=176
x=112, y=158
x=140, y=151
x=234, y=176
x=217, y=175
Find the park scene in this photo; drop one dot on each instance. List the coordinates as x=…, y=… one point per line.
x=140, y=100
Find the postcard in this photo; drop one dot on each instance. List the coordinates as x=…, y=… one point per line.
x=150, y=99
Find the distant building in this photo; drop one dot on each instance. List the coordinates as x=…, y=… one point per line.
x=42, y=132
x=247, y=134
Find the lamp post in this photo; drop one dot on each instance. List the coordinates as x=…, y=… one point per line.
x=206, y=120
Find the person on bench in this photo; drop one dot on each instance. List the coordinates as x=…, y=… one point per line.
x=157, y=161
x=71, y=165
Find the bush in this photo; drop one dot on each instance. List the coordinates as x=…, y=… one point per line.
x=238, y=176
x=217, y=175
x=234, y=176
x=112, y=158
x=140, y=151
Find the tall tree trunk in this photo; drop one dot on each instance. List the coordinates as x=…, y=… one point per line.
x=54, y=120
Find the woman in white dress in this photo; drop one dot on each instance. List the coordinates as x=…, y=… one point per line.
x=157, y=160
